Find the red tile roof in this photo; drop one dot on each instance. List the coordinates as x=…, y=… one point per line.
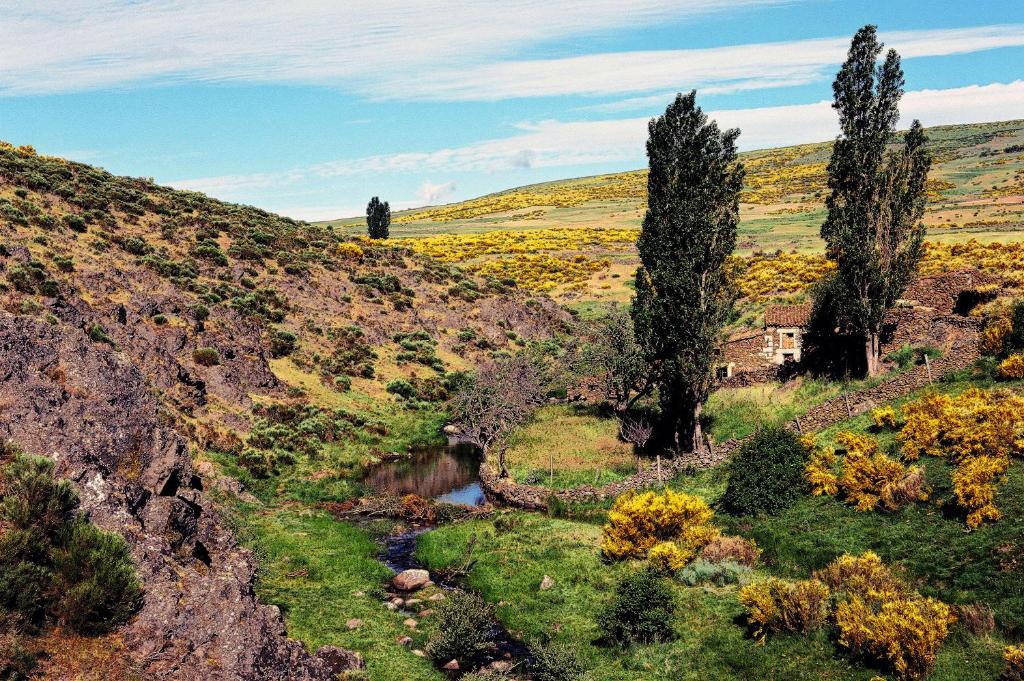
x=787, y=315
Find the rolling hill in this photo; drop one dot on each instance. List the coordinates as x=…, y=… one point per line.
x=574, y=238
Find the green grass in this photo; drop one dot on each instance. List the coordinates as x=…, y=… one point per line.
x=573, y=441
x=710, y=642
x=738, y=412
x=342, y=581
x=929, y=542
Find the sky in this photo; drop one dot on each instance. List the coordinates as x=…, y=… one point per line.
x=309, y=107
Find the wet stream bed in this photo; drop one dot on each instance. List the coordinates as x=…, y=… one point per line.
x=448, y=474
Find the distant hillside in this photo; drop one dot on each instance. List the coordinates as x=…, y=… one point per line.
x=977, y=188
x=575, y=238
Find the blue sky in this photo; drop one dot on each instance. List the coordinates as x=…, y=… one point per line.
x=310, y=107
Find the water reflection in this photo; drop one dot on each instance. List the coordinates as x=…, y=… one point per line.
x=448, y=474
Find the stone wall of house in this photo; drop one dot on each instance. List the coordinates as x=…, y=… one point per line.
x=961, y=353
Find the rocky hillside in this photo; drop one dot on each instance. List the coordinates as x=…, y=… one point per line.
x=137, y=320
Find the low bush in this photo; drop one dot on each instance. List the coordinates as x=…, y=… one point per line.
x=904, y=634
x=465, y=624
x=641, y=611
x=54, y=565
x=767, y=473
x=870, y=478
x=282, y=343
x=667, y=557
x=1011, y=368
x=206, y=357
x=1014, y=658
x=778, y=605
x=820, y=471
x=731, y=549
x=884, y=417
x=555, y=662
x=722, y=573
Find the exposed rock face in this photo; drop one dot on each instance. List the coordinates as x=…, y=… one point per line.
x=82, y=404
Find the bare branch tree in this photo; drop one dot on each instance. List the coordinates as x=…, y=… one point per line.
x=500, y=397
x=614, y=357
x=635, y=431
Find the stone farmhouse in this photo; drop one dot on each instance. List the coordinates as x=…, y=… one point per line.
x=933, y=311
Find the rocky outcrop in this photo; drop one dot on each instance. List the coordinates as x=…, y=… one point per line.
x=84, y=405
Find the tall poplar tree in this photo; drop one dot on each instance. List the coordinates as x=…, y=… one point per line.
x=378, y=218
x=683, y=297
x=873, y=231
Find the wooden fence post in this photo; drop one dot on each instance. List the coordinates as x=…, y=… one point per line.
x=849, y=412
x=657, y=458
x=928, y=366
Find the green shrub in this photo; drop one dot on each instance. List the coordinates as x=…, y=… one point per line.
x=159, y=319
x=206, y=357
x=641, y=611
x=719, y=574
x=555, y=662
x=53, y=563
x=767, y=473
x=402, y=388
x=465, y=625
x=282, y=343
x=98, y=334
x=96, y=578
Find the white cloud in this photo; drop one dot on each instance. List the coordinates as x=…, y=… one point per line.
x=579, y=143
x=67, y=45
x=713, y=70
x=431, y=193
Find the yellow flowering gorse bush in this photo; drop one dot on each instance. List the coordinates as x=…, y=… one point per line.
x=1014, y=658
x=870, y=478
x=637, y=522
x=1012, y=368
x=884, y=417
x=877, y=616
x=978, y=431
x=779, y=605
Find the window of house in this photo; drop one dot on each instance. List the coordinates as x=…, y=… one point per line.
x=788, y=340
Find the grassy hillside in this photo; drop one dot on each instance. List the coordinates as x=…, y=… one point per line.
x=575, y=238
x=275, y=346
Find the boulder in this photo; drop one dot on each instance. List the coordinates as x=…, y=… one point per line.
x=546, y=583
x=411, y=580
x=452, y=666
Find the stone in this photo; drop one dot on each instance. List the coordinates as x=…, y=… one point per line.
x=437, y=597
x=391, y=606
x=451, y=429
x=546, y=583
x=339, y=660
x=413, y=601
x=419, y=653
x=452, y=666
x=353, y=624
x=397, y=602
x=410, y=622
x=426, y=613
x=405, y=641
x=501, y=666
x=411, y=580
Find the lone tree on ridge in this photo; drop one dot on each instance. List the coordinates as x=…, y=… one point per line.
x=378, y=218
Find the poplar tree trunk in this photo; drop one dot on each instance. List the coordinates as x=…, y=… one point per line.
x=872, y=352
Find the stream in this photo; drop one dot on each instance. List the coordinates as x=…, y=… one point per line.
x=447, y=474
